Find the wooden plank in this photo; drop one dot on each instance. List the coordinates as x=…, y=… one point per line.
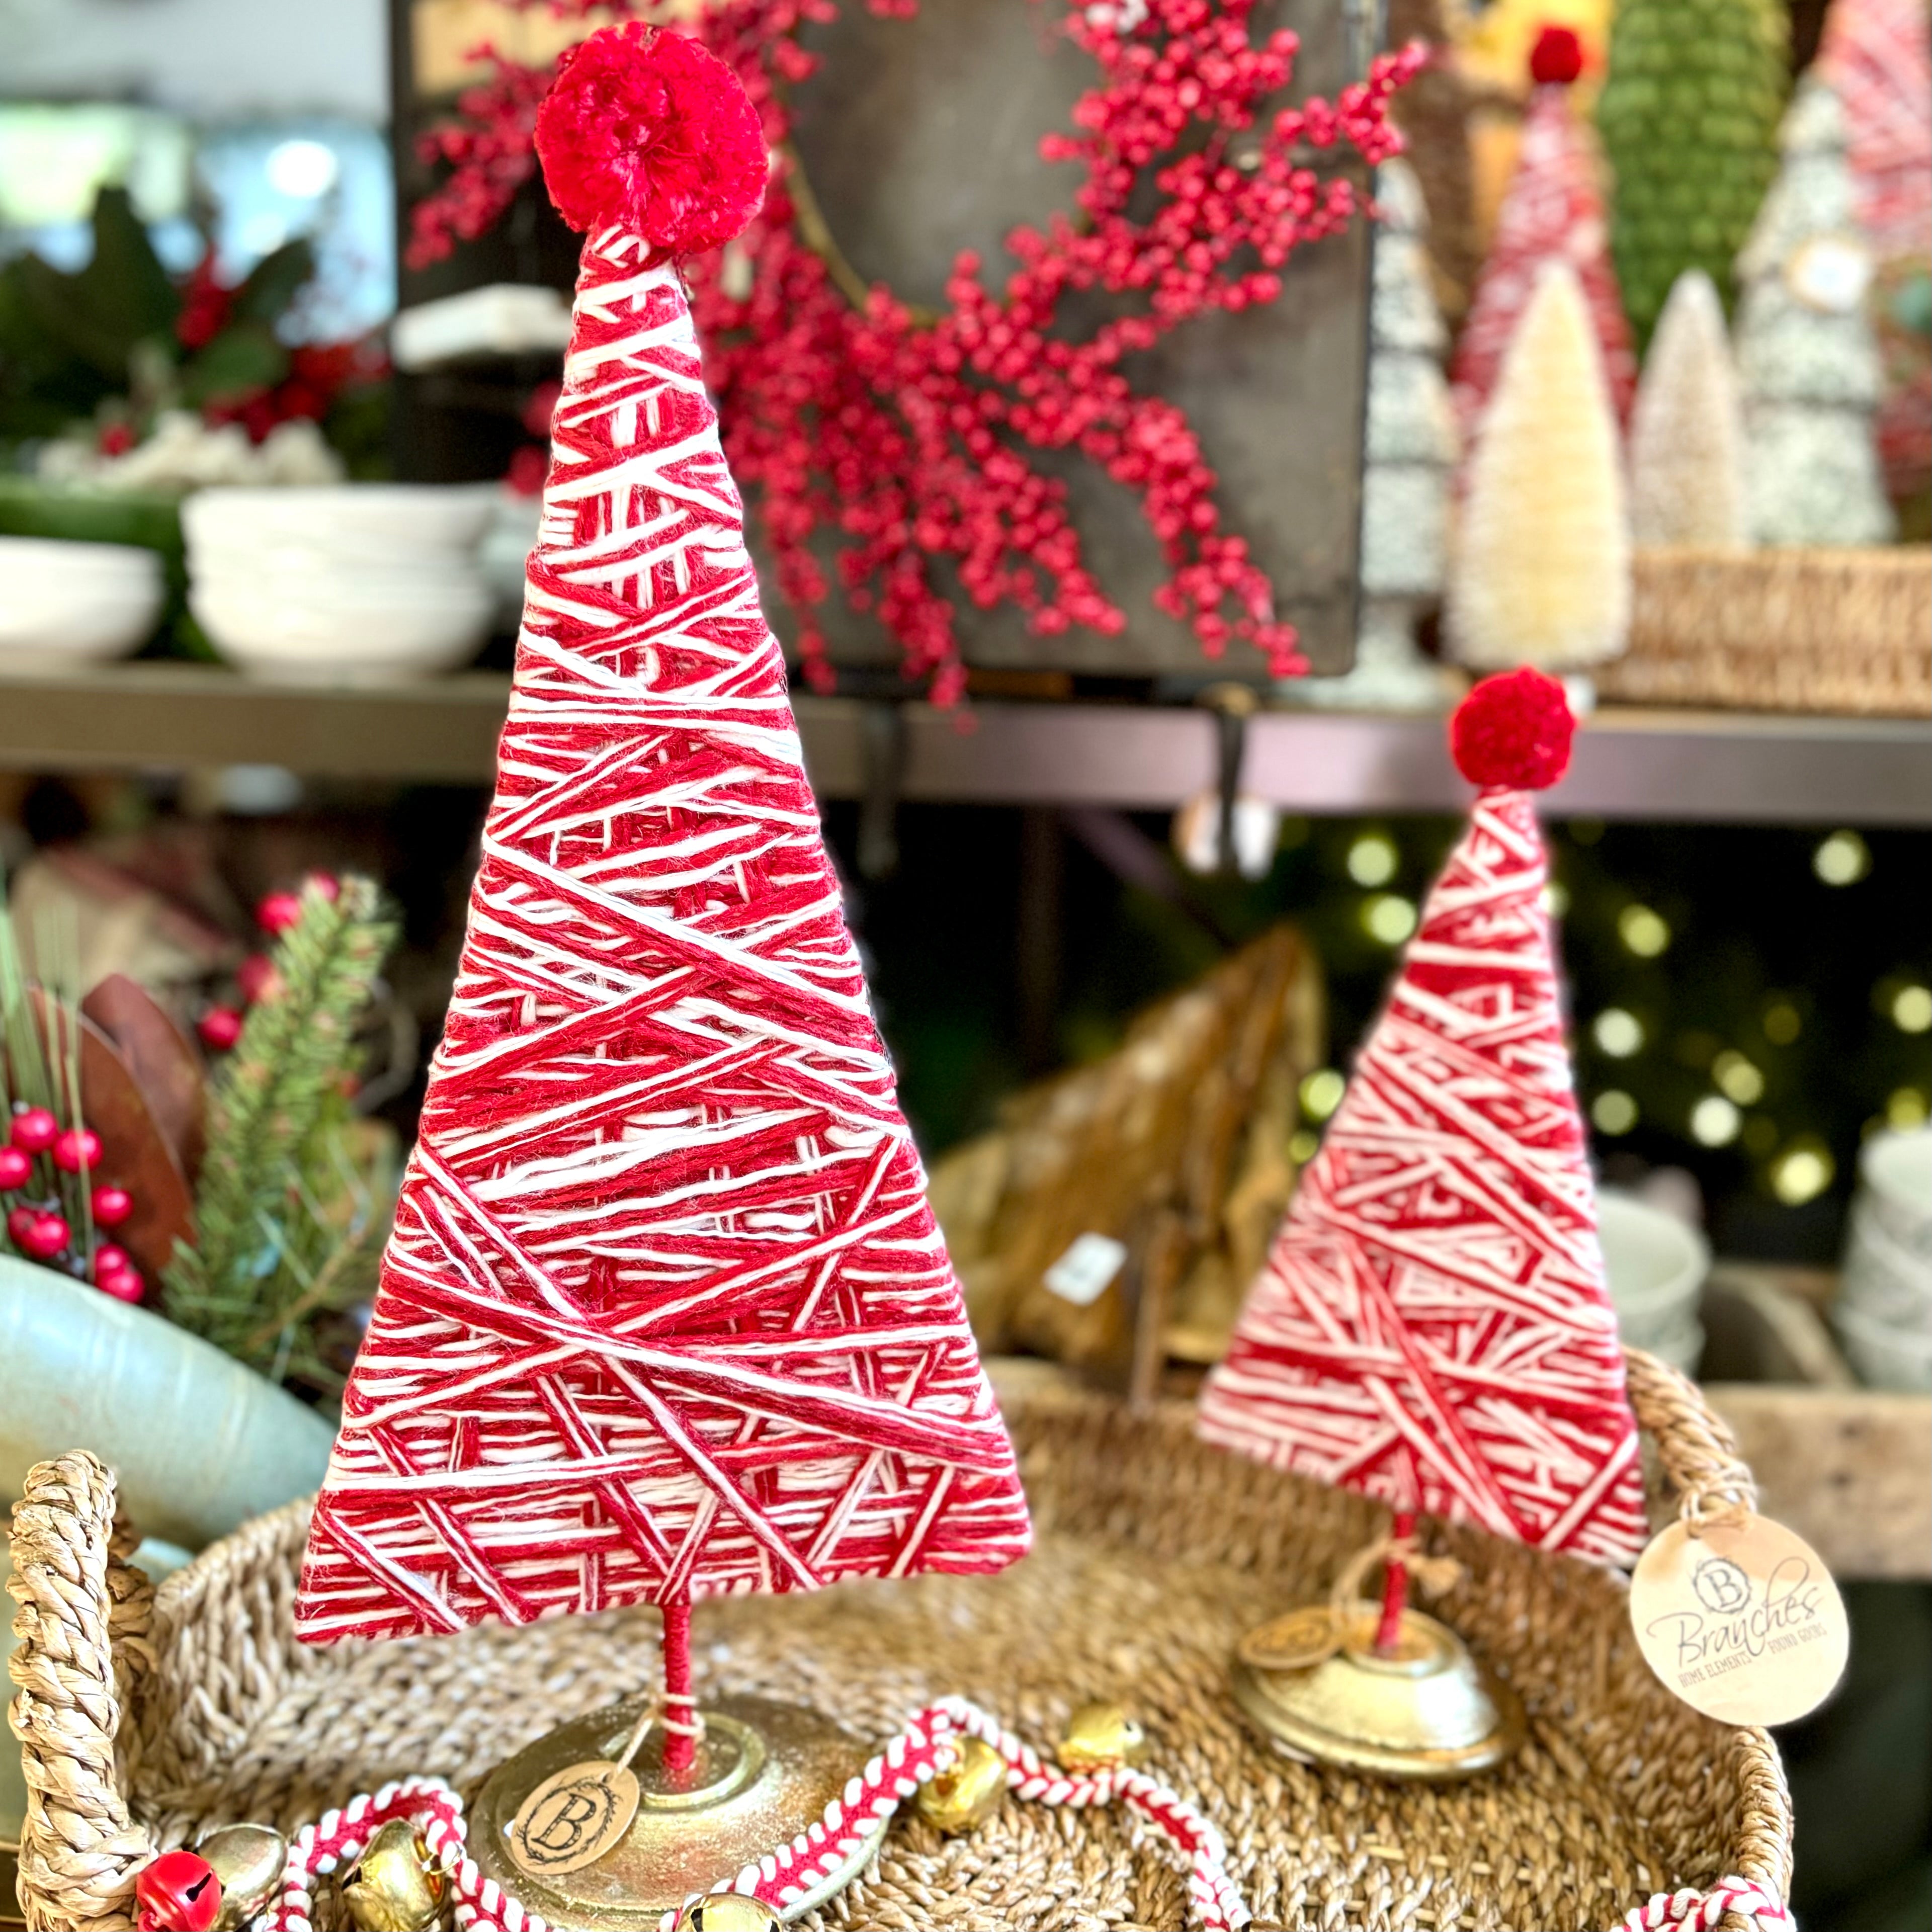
x=1850, y=1469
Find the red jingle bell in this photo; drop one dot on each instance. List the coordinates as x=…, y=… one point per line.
x=16, y=1169
x=34, y=1130
x=278, y=912
x=178, y=1892
x=77, y=1150
x=219, y=1027
x=47, y=1236
x=112, y=1206
x=123, y=1284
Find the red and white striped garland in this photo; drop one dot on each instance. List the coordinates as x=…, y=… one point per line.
x=927, y=1745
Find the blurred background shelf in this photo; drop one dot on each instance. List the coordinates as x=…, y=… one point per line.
x=1683, y=765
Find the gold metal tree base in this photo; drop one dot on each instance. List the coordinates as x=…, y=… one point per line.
x=765, y=1771
x=1429, y=1712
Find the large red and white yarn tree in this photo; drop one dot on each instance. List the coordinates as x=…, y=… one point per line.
x=1552, y=210
x=665, y=1313
x=1433, y=1326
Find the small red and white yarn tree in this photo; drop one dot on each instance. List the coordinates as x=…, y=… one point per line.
x=665, y=1313
x=1433, y=1326
x=1552, y=210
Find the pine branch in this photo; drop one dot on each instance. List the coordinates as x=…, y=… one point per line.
x=287, y=1225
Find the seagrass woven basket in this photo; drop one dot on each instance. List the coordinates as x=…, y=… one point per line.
x=147, y=1716
x=1814, y=630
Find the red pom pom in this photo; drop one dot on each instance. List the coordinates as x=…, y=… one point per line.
x=1514, y=729
x=646, y=130
x=1557, y=58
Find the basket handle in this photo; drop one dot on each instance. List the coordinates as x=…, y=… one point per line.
x=82, y=1655
x=1714, y=1486
x=1694, y=1444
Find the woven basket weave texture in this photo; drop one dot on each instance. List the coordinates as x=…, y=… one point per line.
x=1845, y=630
x=1155, y=1553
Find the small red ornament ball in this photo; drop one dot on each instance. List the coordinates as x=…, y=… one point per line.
x=1557, y=58
x=108, y=1259
x=646, y=130
x=20, y=1225
x=1514, y=730
x=256, y=979
x=34, y=1130
x=178, y=1892
x=42, y=1237
x=123, y=1284
x=112, y=1206
x=279, y=911
x=77, y=1150
x=16, y=1168
x=219, y=1027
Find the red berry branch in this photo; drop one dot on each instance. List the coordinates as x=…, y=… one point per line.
x=908, y=438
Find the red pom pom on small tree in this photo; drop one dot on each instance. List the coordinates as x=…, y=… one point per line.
x=646, y=130
x=1557, y=58
x=1514, y=730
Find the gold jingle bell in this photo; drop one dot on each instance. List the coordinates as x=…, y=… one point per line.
x=727, y=1912
x=962, y=1797
x=248, y=1860
x=1100, y=1737
x=395, y=1886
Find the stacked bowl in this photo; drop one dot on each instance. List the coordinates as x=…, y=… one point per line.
x=349, y=583
x=64, y=604
x=1656, y=1264
x=1884, y=1310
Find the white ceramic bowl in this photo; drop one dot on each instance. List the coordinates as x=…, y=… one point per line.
x=417, y=516
x=1895, y=1171
x=72, y=603
x=346, y=587
x=374, y=640
x=1656, y=1263
x=1884, y=1357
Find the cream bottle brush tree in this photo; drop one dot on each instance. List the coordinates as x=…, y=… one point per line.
x=1409, y=454
x=1542, y=573
x=1808, y=361
x=1686, y=453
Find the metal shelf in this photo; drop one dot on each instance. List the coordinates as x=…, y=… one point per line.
x=1681, y=766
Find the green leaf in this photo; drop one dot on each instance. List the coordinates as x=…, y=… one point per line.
x=244, y=357
x=272, y=283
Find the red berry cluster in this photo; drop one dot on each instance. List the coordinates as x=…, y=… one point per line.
x=35, y=1143
x=910, y=440
x=256, y=979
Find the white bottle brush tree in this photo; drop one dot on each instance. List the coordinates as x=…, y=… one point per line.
x=1686, y=437
x=1409, y=453
x=1807, y=360
x=1542, y=569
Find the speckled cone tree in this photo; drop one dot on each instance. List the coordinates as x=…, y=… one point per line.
x=1686, y=440
x=1689, y=118
x=665, y=1312
x=1542, y=572
x=1433, y=1325
x=1409, y=451
x=1807, y=360
x=1552, y=211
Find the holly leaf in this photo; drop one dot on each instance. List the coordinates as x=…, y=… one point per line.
x=244, y=357
x=272, y=283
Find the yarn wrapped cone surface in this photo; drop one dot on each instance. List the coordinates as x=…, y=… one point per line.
x=1552, y=210
x=1433, y=1326
x=1542, y=571
x=665, y=1312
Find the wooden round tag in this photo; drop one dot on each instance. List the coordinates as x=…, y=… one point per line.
x=1745, y=1624
x=573, y=1818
